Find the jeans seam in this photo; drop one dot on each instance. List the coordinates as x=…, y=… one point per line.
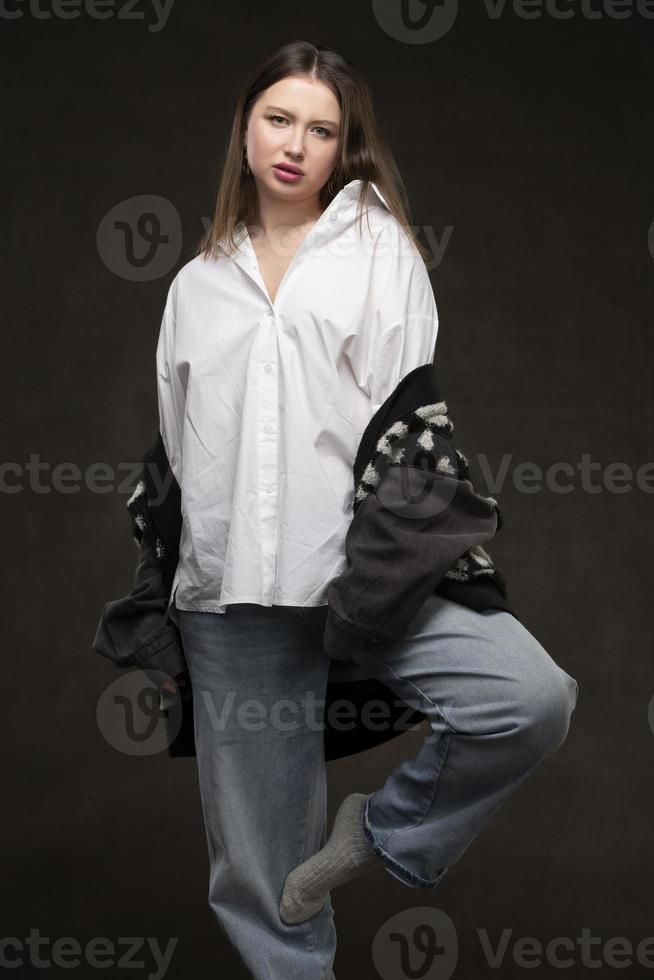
x=444, y=749
x=446, y=739
x=304, y=858
x=404, y=680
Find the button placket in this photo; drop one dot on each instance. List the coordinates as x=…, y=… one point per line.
x=267, y=450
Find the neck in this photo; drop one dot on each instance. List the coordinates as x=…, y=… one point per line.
x=274, y=214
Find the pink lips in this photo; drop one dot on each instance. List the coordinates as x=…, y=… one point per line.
x=289, y=176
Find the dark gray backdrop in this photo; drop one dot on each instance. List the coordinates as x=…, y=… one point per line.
x=525, y=144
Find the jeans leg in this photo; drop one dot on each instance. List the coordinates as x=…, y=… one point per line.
x=497, y=705
x=262, y=778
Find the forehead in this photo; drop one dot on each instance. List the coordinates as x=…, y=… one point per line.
x=304, y=96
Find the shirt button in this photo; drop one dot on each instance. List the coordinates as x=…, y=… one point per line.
x=267, y=368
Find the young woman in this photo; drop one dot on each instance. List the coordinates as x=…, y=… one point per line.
x=279, y=341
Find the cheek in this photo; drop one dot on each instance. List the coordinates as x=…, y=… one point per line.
x=263, y=139
x=325, y=158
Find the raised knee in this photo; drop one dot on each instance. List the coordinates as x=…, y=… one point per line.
x=549, y=711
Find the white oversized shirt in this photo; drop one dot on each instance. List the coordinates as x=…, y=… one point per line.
x=262, y=405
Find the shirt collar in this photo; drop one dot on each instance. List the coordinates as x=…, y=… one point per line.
x=353, y=188
x=349, y=191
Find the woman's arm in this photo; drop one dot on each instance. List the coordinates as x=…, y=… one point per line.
x=171, y=392
x=400, y=543
x=400, y=324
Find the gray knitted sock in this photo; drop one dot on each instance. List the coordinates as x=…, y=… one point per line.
x=346, y=855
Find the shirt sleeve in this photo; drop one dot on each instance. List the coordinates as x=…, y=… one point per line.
x=171, y=392
x=402, y=319
x=403, y=539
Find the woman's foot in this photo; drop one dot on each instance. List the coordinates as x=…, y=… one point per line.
x=346, y=855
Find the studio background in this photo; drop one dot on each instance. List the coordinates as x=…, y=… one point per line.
x=526, y=148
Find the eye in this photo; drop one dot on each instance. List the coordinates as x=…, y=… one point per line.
x=283, y=118
x=325, y=131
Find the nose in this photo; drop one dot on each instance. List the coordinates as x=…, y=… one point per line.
x=296, y=144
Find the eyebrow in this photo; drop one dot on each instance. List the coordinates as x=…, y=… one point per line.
x=286, y=112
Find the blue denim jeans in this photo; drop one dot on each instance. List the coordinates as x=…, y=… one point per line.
x=496, y=702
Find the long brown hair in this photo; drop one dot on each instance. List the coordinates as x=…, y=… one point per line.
x=364, y=153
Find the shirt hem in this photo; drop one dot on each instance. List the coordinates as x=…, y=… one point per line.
x=218, y=606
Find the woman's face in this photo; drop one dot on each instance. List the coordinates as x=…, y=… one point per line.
x=295, y=121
